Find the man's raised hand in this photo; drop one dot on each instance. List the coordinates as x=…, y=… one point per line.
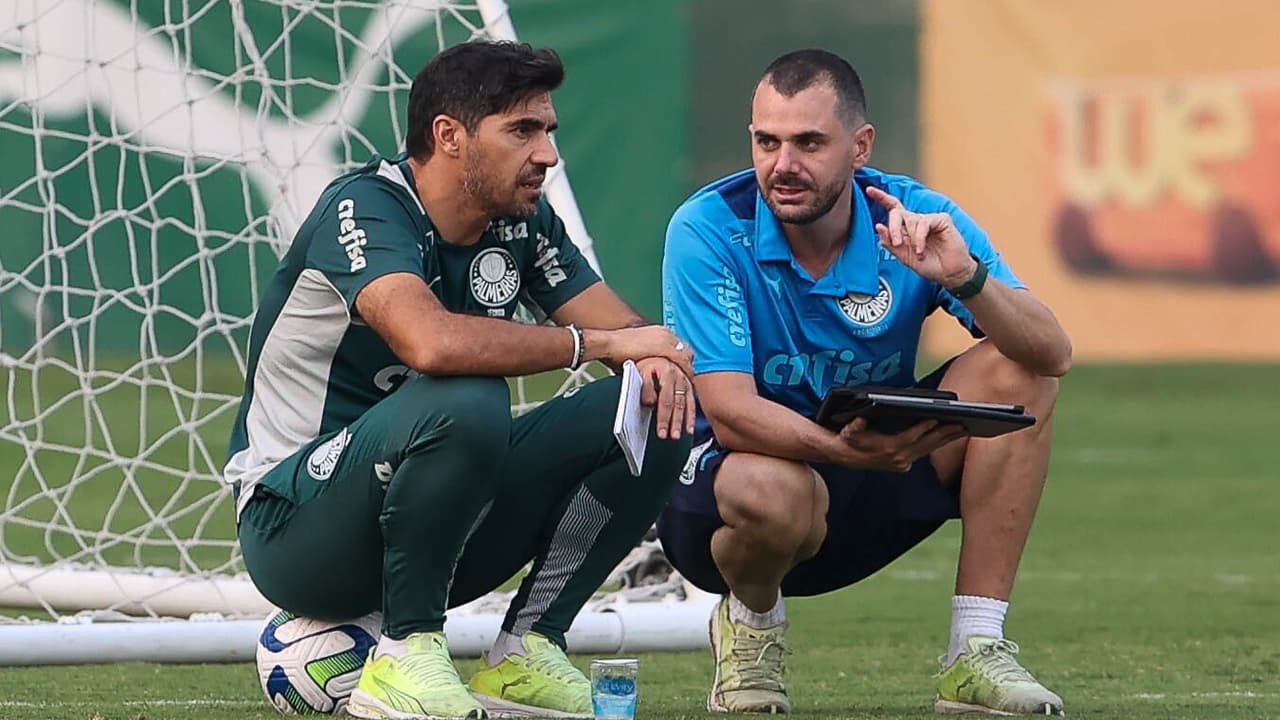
x=927, y=243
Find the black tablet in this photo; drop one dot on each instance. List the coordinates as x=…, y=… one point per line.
x=892, y=410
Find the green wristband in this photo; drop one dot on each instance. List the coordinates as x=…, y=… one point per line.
x=975, y=283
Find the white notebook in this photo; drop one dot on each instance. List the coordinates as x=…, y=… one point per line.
x=631, y=422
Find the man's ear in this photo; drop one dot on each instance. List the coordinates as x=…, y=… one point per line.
x=864, y=139
x=447, y=134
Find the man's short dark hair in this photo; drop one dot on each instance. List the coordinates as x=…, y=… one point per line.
x=473, y=80
x=802, y=69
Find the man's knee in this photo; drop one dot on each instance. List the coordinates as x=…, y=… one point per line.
x=818, y=520
x=770, y=498
x=474, y=409
x=1005, y=380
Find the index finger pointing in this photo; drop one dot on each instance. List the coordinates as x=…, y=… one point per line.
x=883, y=198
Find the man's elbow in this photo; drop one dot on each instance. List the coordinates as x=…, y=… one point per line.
x=428, y=358
x=1060, y=364
x=725, y=429
x=730, y=440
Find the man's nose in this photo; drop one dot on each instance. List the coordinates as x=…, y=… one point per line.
x=788, y=160
x=545, y=154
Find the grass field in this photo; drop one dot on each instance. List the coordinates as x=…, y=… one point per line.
x=1151, y=588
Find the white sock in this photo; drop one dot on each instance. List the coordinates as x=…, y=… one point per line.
x=740, y=613
x=390, y=646
x=506, y=644
x=973, y=615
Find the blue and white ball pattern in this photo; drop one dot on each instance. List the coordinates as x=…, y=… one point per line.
x=310, y=667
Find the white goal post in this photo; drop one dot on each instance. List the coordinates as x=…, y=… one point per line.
x=158, y=157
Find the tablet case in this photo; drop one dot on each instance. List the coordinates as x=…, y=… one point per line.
x=892, y=410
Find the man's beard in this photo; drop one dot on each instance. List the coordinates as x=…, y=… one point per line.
x=825, y=199
x=495, y=197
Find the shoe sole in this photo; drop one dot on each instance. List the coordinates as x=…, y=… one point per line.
x=763, y=710
x=951, y=707
x=365, y=706
x=499, y=708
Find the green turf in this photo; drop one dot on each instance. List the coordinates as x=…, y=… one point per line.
x=1151, y=588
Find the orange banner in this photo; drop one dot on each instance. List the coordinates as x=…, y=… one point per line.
x=1125, y=157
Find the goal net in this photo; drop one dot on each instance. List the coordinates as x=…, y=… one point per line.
x=157, y=159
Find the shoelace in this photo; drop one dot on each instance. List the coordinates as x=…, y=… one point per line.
x=429, y=668
x=759, y=661
x=554, y=664
x=996, y=661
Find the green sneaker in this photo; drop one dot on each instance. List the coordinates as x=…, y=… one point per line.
x=749, y=666
x=540, y=683
x=988, y=679
x=422, y=684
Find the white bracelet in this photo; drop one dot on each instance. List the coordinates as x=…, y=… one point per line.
x=576, y=332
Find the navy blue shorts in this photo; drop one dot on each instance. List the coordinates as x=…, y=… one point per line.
x=874, y=518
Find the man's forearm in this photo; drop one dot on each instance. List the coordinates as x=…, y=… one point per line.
x=755, y=424
x=629, y=319
x=624, y=318
x=472, y=345
x=1022, y=328
x=598, y=308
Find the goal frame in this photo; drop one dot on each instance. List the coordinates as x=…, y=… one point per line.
x=157, y=615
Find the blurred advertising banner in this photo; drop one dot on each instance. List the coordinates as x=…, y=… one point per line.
x=1125, y=157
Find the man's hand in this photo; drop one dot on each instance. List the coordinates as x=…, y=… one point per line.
x=896, y=453
x=667, y=387
x=927, y=243
x=615, y=347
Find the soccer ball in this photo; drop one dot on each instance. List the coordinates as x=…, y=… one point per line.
x=310, y=667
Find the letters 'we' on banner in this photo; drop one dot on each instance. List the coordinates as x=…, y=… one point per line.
x=1131, y=183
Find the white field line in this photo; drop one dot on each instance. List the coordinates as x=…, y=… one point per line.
x=1067, y=576
x=205, y=702
x=234, y=703
x=1246, y=694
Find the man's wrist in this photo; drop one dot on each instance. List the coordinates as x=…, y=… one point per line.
x=971, y=283
x=838, y=452
x=596, y=345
